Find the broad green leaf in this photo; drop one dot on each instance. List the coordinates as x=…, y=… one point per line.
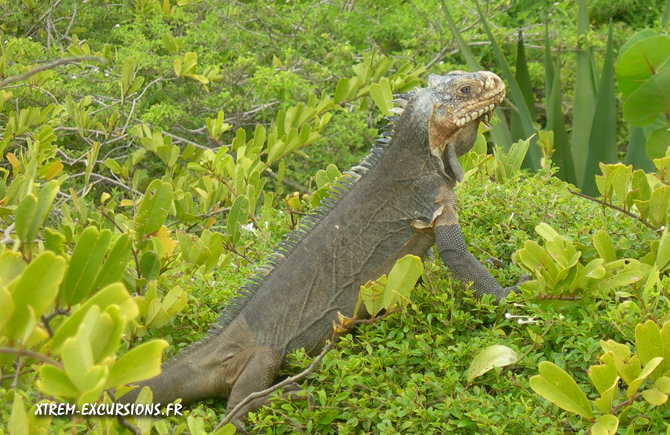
x=558, y=387
x=6, y=307
x=153, y=209
x=658, y=143
x=150, y=265
x=658, y=206
x=649, y=100
x=546, y=231
x=381, y=94
x=662, y=384
x=372, y=295
x=115, y=263
x=18, y=420
x=663, y=251
x=175, y=301
x=236, y=218
x=604, y=245
x=641, y=61
x=106, y=337
x=114, y=294
x=605, y=425
x=401, y=280
x=491, y=357
x=654, y=397
x=603, y=376
x=156, y=315
x=606, y=399
x=35, y=289
x=11, y=266
x=644, y=374
x=649, y=344
x=142, y=362
x=85, y=264
x=32, y=211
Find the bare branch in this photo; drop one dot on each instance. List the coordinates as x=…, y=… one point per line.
x=50, y=65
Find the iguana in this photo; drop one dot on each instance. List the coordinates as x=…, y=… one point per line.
x=399, y=200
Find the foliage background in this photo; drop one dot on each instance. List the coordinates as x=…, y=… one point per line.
x=183, y=78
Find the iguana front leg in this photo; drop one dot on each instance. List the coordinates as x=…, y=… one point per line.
x=454, y=252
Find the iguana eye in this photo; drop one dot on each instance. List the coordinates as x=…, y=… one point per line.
x=466, y=89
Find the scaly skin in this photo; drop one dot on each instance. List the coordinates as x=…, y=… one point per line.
x=402, y=204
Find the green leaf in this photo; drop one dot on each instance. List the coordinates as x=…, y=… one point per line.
x=602, y=140
x=18, y=420
x=606, y=399
x=55, y=382
x=154, y=208
x=6, y=307
x=604, y=245
x=649, y=345
x=401, y=280
x=142, y=362
x=32, y=211
x=658, y=143
x=585, y=94
x=34, y=290
x=85, y=264
x=641, y=61
x=115, y=263
x=372, y=295
x=150, y=265
x=649, y=100
x=605, y=425
x=644, y=374
x=493, y=356
x=236, y=218
x=381, y=94
x=115, y=294
x=558, y=387
x=655, y=397
x=11, y=266
x=514, y=90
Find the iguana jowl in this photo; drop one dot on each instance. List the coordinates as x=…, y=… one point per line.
x=400, y=200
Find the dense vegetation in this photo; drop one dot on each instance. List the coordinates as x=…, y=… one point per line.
x=153, y=152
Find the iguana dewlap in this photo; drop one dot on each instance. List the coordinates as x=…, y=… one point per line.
x=400, y=200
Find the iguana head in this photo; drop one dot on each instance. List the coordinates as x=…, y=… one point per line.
x=455, y=104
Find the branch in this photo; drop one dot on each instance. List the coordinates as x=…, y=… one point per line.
x=305, y=372
x=614, y=207
x=281, y=384
x=50, y=65
x=31, y=354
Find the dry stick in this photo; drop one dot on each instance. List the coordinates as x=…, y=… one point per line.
x=281, y=384
x=305, y=372
x=50, y=65
x=614, y=207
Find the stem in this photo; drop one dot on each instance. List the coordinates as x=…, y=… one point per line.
x=614, y=207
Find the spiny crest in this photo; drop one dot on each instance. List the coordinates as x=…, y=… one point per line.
x=307, y=224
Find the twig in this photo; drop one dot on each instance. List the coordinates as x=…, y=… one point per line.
x=305, y=372
x=281, y=384
x=50, y=65
x=31, y=354
x=125, y=423
x=109, y=180
x=614, y=207
x=69, y=26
